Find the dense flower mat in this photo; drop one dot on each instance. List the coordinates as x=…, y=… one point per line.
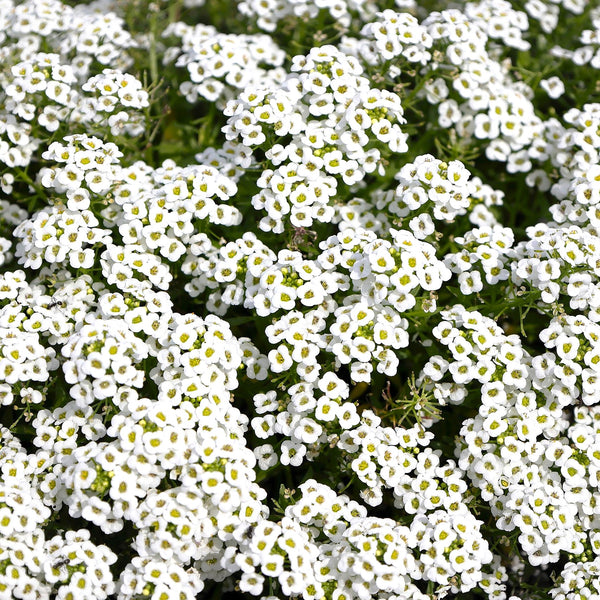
x=299, y=299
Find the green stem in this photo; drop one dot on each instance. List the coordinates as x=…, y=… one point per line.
x=152, y=50
x=175, y=11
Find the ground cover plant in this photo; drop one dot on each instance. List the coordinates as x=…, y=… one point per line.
x=299, y=299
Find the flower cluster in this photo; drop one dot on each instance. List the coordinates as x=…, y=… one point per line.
x=429, y=189
x=30, y=565
x=337, y=123
x=395, y=35
x=575, y=341
x=84, y=33
x=119, y=95
x=571, y=150
x=299, y=299
x=221, y=65
x=578, y=580
x=551, y=263
x=589, y=51
x=360, y=556
x=85, y=168
x=485, y=253
x=269, y=15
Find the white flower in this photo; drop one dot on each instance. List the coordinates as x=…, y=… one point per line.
x=292, y=453
x=280, y=359
x=347, y=415
x=470, y=282
x=553, y=86
x=326, y=410
x=266, y=456
x=332, y=386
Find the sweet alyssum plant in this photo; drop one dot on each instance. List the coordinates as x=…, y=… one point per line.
x=299, y=299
